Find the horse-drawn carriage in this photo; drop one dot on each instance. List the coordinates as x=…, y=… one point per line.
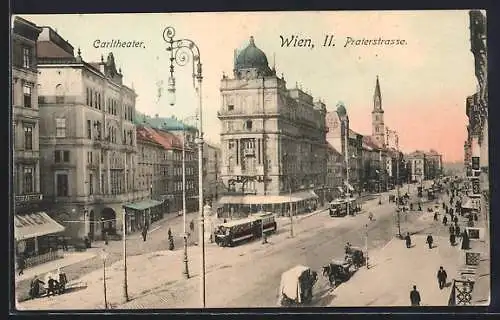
x=296, y=286
x=338, y=271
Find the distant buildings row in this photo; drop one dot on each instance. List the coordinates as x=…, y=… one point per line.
x=281, y=150
x=80, y=152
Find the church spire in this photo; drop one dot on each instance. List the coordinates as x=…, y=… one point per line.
x=377, y=97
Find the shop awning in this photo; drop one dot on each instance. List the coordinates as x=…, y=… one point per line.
x=255, y=199
x=34, y=225
x=468, y=204
x=351, y=188
x=142, y=205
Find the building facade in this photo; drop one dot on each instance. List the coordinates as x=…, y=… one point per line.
x=87, y=138
x=272, y=141
x=336, y=136
x=416, y=160
x=25, y=117
x=334, y=174
x=212, y=182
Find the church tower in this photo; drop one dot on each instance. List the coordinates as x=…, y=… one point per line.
x=378, y=128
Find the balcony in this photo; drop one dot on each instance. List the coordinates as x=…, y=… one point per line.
x=26, y=155
x=25, y=198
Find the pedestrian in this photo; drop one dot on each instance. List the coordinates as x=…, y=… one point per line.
x=191, y=225
x=475, y=216
x=144, y=234
x=441, y=275
x=465, y=240
x=21, y=264
x=452, y=239
x=455, y=219
x=444, y=206
x=445, y=220
x=435, y=216
x=457, y=230
x=65, y=244
x=63, y=280
x=106, y=238
x=52, y=286
x=429, y=241
x=35, y=287
x=415, y=297
x=408, y=240
x=452, y=229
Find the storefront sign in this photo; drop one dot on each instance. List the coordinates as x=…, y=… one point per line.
x=476, y=187
x=475, y=163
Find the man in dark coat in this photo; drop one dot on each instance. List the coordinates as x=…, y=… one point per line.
x=52, y=286
x=429, y=241
x=144, y=233
x=35, y=287
x=408, y=240
x=445, y=220
x=441, y=275
x=435, y=216
x=21, y=264
x=452, y=229
x=415, y=297
x=465, y=240
x=452, y=239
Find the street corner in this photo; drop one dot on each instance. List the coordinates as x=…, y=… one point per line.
x=394, y=269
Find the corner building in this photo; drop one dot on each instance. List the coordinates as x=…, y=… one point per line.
x=87, y=139
x=273, y=145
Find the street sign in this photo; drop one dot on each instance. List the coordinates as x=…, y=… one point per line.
x=475, y=163
x=476, y=187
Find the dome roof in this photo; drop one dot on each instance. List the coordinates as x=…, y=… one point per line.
x=251, y=57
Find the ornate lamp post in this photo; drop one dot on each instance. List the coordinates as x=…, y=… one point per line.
x=183, y=51
x=342, y=113
x=104, y=256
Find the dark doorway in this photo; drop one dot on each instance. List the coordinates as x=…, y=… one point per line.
x=108, y=218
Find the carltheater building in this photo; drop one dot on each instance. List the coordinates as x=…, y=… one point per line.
x=273, y=142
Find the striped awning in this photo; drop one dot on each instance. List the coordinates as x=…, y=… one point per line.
x=27, y=226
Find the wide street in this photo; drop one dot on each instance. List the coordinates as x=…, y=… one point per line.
x=254, y=282
x=249, y=275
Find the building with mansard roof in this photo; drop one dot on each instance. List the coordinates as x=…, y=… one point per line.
x=272, y=141
x=87, y=138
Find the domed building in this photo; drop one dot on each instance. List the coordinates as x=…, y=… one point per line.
x=272, y=140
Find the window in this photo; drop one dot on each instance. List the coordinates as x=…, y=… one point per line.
x=62, y=185
x=57, y=156
x=230, y=107
x=91, y=96
x=96, y=100
x=91, y=183
x=28, y=137
x=26, y=57
x=89, y=129
x=60, y=127
x=89, y=157
x=249, y=124
x=27, y=96
x=87, y=97
x=102, y=157
x=66, y=156
x=28, y=180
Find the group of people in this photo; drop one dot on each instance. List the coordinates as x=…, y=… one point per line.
x=53, y=284
x=429, y=240
x=442, y=277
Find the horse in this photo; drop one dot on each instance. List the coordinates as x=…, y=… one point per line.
x=336, y=274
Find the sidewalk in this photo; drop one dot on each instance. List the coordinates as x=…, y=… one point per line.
x=52, y=266
x=395, y=269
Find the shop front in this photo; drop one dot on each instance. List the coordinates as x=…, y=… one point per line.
x=34, y=238
x=141, y=214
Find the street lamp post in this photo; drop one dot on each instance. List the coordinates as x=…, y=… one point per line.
x=181, y=52
x=342, y=113
x=185, y=259
x=125, y=284
x=104, y=256
x=366, y=246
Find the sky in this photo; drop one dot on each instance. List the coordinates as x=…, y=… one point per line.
x=424, y=83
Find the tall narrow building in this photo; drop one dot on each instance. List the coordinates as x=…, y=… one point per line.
x=378, y=128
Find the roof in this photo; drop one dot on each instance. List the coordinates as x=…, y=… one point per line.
x=170, y=124
x=145, y=135
x=371, y=144
x=353, y=134
x=142, y=205
x=252, y=57
x=35, y=225
x=295, y=272
x=233, y=223
x=48, y=49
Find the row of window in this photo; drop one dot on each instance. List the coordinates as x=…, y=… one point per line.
x=27, y=185
x=28, y=136
x=96, y=100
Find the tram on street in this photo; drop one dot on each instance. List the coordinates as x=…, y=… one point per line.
x=338, y=207
x=238, y=231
